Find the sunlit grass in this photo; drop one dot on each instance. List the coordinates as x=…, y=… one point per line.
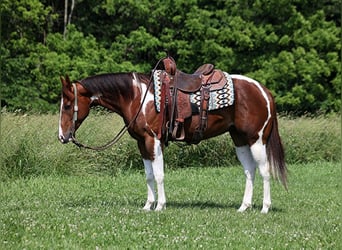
x=56, y=196
x=104, y=212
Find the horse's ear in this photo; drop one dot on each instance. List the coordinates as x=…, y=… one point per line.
x=66, y=86
x=66, y=81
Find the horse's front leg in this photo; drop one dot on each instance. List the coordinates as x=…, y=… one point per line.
x=151, y=195
x=158, y=170
x=154, y=168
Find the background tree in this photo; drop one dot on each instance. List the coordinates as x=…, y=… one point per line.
x=293, y=47
x=68, y=14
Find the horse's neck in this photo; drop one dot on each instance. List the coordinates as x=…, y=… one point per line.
x=122, y=97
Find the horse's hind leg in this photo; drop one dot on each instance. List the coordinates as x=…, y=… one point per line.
x=250, y=157
x=244, y=155
x=258, y=150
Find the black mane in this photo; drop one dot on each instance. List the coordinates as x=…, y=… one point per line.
x=112, y=85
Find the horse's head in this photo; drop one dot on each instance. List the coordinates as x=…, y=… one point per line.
x=75, y=106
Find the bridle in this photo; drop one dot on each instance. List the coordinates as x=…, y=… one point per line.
x=121, y=132
x=110, y=143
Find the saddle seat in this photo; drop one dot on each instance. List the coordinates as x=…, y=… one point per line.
x=193, y=82
x=190, y=83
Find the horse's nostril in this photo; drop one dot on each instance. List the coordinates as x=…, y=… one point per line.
x=62, y=139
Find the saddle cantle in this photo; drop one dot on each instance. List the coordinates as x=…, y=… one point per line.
x=205, y=69
x=176, y=107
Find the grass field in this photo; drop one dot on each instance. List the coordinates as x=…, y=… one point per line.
x=29, y=146
x=55, y=196
x=103, y=212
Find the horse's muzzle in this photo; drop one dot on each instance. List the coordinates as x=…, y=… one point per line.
x=64, y=139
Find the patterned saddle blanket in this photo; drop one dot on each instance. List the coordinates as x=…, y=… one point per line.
x=218, y=99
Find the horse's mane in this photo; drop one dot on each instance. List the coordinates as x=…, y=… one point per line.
x=111, y=85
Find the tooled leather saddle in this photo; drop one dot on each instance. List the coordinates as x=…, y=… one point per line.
x=175, y=105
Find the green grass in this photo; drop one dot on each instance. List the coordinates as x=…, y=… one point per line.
x=56, y=196
x=104, y=212
x=309, y=139
x=29, y=146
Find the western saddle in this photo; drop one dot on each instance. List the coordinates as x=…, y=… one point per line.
x=176, y=107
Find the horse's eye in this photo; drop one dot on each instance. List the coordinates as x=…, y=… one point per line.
x=67, y=107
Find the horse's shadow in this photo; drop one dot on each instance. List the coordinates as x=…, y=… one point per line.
x=201, y=204
x=214, y=205
x=194, y=204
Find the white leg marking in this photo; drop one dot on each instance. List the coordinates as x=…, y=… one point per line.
x=158, y=170
x=245, y=157
x=151, y=195
x=60, y=131
x=258, y=150
x=154, y=171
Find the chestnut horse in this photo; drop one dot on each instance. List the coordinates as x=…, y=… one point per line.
x=251, y=122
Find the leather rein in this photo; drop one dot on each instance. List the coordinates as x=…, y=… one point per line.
x=98, y=148
x=121, y=132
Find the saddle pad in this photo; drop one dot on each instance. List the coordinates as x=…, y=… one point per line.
x=157, y=88
x=218, y=98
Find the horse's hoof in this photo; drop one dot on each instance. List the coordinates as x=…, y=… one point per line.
x=265, y=209
x=243, y=208
x=148, y=206
x=160, y=207
x=146, y=209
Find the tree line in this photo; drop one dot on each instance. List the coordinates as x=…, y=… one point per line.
x=291, y=46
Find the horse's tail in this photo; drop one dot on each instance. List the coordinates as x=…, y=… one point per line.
x=276, y=155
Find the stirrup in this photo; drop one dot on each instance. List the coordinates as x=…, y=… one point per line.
x=176, y=135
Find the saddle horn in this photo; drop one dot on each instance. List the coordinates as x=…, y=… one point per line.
x=170, y=65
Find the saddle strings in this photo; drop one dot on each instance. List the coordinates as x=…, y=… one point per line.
x=125, y=128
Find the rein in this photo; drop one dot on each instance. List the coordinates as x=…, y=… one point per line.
x=105, y=146
x=121, y=132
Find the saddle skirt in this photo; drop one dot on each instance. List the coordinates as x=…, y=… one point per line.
x=219, y=98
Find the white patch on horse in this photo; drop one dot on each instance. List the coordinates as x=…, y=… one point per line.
x=245, y=156
x=60, y=131
x=151, y=195
x=258, y=150
x=268, y=105
x=135, y=80
x=95, y=97
x=158, y=171
x=154, y=171
x=143, y=88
